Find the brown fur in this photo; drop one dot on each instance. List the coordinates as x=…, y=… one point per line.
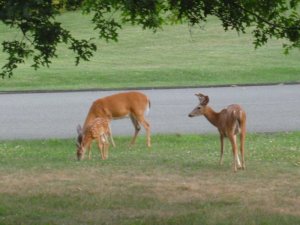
x=98, y=129
x=229, y=121
x=132, y=104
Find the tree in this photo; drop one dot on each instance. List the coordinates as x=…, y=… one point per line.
x=41, y=33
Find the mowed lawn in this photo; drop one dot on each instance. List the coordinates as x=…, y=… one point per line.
x=177, y=181
x=177, y=55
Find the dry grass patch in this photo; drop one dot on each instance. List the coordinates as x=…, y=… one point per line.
x=272, y=194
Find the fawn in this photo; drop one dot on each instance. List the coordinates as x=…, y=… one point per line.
x=98, y=129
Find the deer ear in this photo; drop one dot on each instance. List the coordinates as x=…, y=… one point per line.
x=204, y=99
x=79, y=129
x=200, y=95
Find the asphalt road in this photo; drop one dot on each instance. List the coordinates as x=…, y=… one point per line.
x=56, y=115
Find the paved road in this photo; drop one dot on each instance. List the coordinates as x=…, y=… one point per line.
x=56, y=115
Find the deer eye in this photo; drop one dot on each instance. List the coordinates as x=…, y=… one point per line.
x=199, y=107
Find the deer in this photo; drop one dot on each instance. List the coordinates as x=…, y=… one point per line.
x=230, y=122
x=133, y=104
x=98, y=129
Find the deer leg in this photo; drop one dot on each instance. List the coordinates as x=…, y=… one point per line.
x=236, y=160
x=146, y=125
x=137, y=128
x=106, y=146
x=102, y=151
x=242, y=144
x=111, y=137
x=100, y=146
x=222, y=148
x=237, y=154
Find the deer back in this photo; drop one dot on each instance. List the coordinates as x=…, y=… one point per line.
x=230, y=119
x=118, y=106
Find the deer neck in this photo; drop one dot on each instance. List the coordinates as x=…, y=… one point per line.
x=211, y=116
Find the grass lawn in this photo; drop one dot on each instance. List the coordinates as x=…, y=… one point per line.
x=173, y=56
x=177, y=181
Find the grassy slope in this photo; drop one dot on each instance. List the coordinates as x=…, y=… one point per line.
x=178, y=181
x=172, y=57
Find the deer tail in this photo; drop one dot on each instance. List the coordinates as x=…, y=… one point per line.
x=148, y=108
x=239, y=117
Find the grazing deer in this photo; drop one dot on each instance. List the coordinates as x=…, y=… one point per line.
x=130, y=104
x=98, y=130
x=230, y=122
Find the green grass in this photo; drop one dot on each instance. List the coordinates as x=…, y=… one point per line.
x=170, y=57
x=177, y=181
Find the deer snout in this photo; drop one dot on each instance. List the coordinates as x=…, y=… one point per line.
x=191, y=115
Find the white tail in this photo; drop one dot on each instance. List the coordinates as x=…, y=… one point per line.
x=98, y=129
x=130, y=104
x=230, y=122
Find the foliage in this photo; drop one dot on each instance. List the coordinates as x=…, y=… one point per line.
x=41, y=33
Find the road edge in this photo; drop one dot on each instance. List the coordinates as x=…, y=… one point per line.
x=146, y=88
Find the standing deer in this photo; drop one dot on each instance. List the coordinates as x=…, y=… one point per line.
x=98, y=130
x=130, y=104
x=229, y=121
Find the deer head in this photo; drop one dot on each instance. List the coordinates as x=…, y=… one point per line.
x=199, y=110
